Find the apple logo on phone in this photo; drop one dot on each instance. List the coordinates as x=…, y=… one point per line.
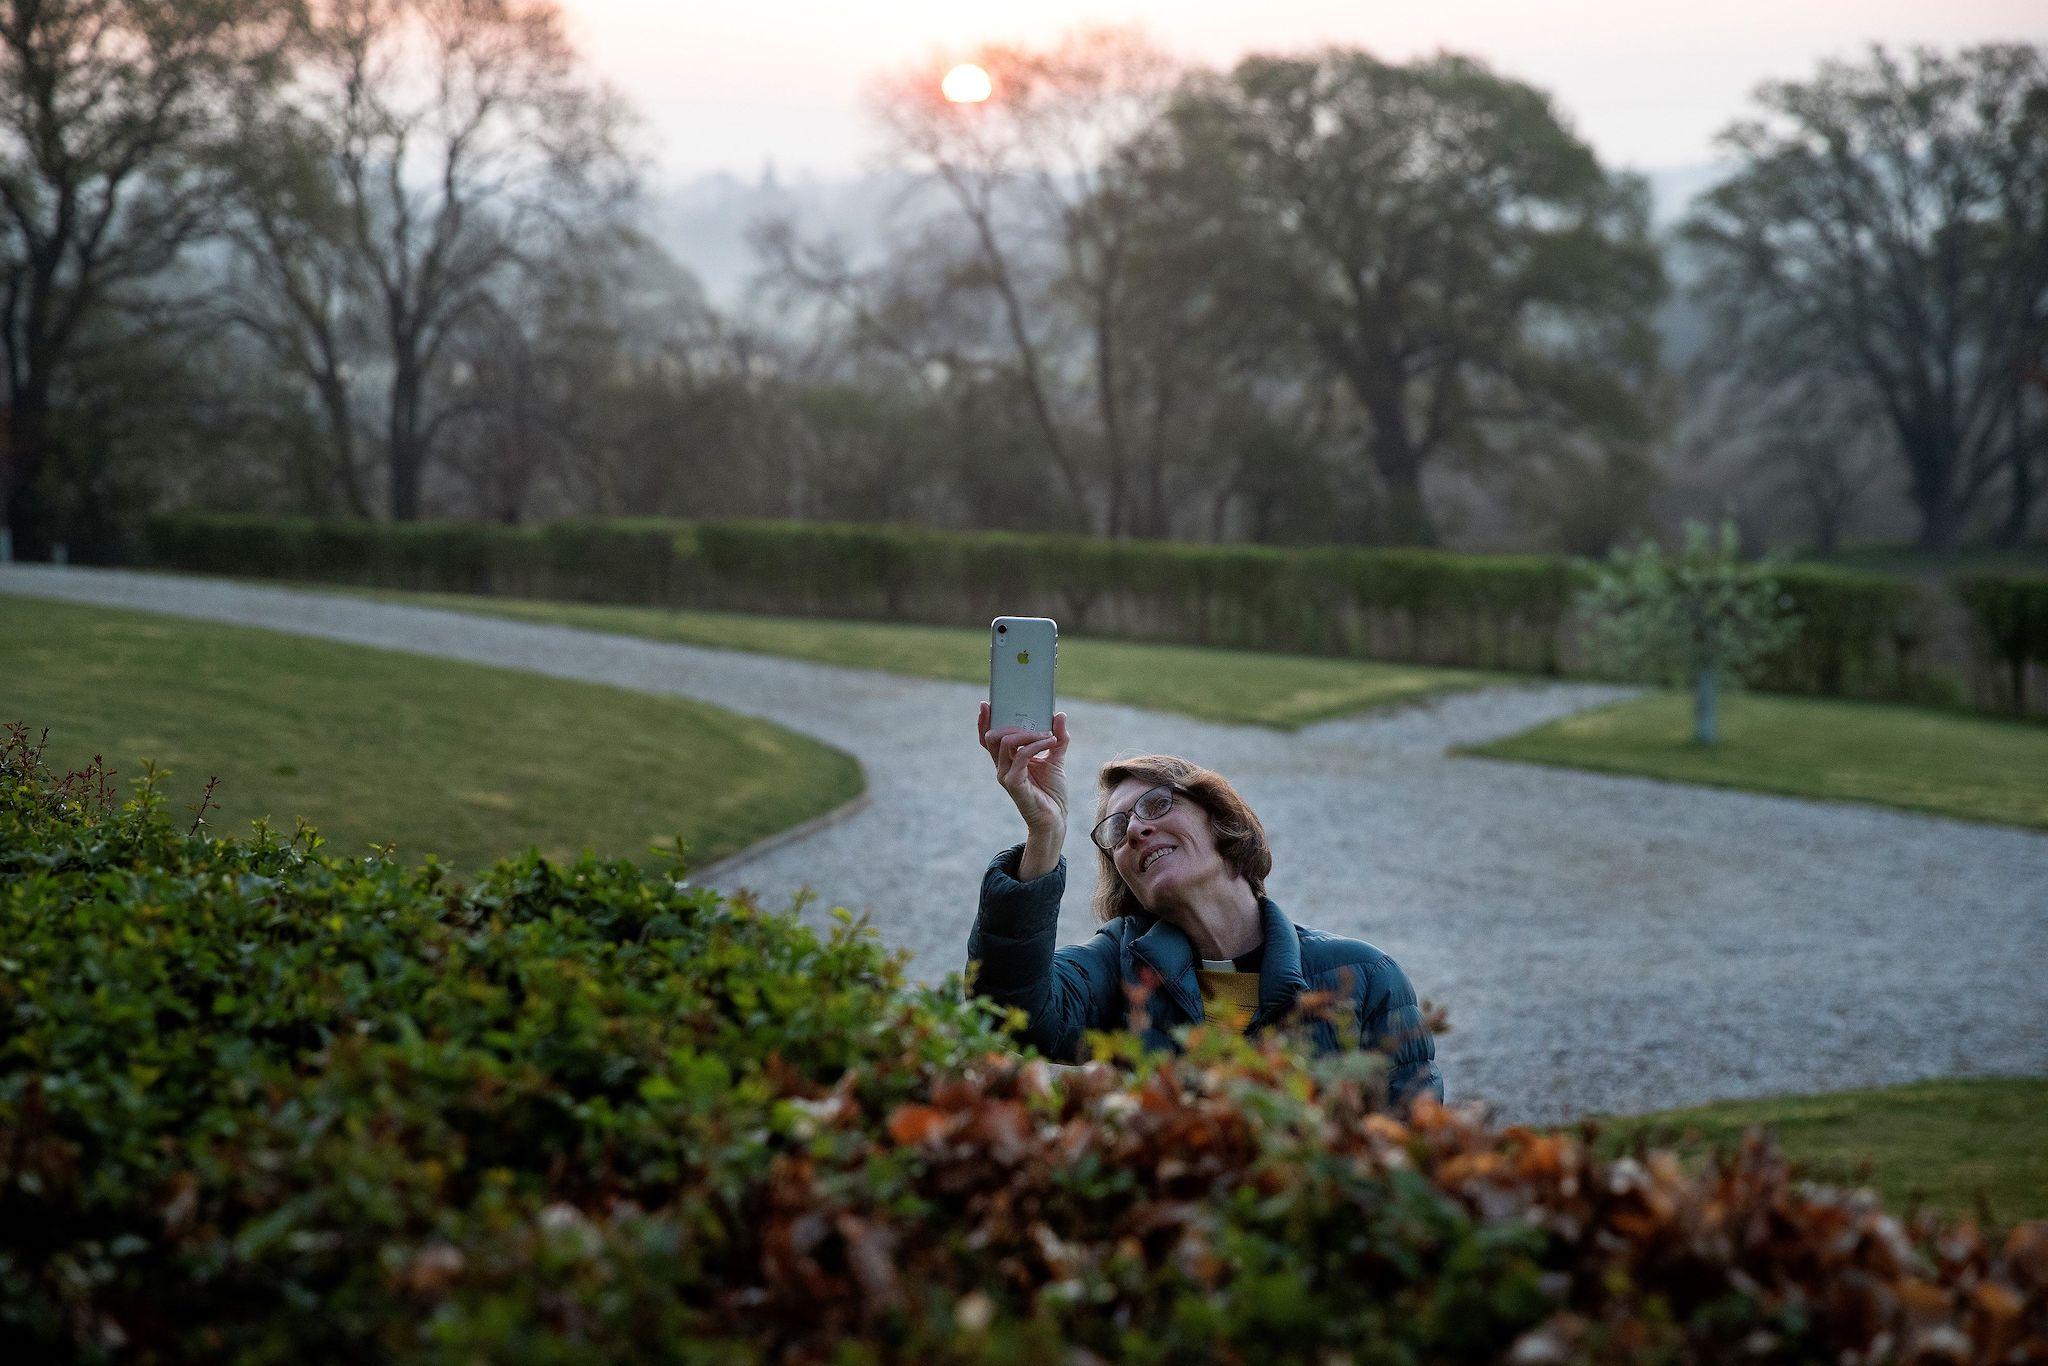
x=1023, y=656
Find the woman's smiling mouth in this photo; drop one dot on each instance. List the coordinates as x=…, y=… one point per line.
x=1155, y=856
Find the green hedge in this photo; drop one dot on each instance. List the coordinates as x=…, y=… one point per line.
x=262, y=1104
x=1503, y=612
x=1860, y=635
x=1865, y=635
x=632, y=561
x=2009, y=614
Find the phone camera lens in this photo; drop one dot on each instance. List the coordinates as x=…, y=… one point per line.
x=1002, y=630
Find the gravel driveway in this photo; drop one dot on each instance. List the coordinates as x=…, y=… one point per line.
x=1603, y=944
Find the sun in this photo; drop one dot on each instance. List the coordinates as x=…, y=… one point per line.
x=967, y=84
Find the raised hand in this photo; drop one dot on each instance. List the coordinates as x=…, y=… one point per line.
x=1031, y=766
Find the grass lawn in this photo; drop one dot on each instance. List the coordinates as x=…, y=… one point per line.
x=1979, y=768
x=460, y=760
x=1238, y=686
x=1944, y=1141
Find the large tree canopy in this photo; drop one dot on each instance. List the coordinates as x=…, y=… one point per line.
x=111, y=114
x=1889, y=219
x=1451, y=251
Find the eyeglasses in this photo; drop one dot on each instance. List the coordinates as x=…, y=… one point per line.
x=1152, y=804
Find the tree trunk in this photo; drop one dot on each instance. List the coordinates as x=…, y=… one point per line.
x=334, y=402
x=1408, y=519
x=1399, y=462
x=1159, y=518
x=30, y=520
x=405, y=483
x=407, y=454
x=1932, y=464
x=1939, y=526
x=1027, y=357
x=1706, y=706
x=2025, y=487
x=1828, y=533
x=1111, y=417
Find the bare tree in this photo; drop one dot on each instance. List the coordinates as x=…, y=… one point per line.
x=1222, y=416
x=909, y=330
x=1892, y=215
x=295, y=287
x=1030, y=174
x=606, y=383
x=459, y=145
x=109, y=111
x=2029, y=464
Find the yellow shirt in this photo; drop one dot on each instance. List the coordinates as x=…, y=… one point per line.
x=1229, y=998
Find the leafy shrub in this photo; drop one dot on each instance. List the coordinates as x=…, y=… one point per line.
x=245, y=1087
x=260, y=1103
x=2009, y=613
x=1691, y=617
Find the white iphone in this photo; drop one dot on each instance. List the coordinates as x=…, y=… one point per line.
x=1021, y=654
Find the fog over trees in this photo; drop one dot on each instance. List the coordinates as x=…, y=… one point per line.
x=1886, y=231
x=402, y=258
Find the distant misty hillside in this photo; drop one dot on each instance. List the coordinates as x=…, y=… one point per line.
x=703, y=222
x=1673, y=189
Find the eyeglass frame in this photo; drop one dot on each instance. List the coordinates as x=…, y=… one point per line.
x=1171, y=790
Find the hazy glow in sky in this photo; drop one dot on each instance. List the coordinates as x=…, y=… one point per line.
x=730, y=83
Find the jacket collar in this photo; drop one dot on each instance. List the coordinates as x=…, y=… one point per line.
x=1168, y=950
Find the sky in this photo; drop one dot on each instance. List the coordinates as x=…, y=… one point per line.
x=732, y=84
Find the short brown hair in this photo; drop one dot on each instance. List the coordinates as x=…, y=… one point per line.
x=1240, y=839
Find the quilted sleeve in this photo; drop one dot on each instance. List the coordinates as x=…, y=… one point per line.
x=1390, y=1022
x=1062, y=993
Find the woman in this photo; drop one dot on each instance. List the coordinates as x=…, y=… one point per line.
x=1180, y=896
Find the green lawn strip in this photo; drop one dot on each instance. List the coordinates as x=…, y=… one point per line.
x=1234, y=686
x=1946, y=1142
x=460, y=760
x=1980, y=768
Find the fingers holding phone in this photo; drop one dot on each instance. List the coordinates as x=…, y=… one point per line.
x=1031, y=766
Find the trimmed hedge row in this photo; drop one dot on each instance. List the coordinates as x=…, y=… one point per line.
x=627, y=561
x=1865, y=635
x=1860, y=635
x=2009, y=614
x=1485, y=611
x=262, y=1104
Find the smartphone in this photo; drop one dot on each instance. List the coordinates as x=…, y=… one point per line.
x=1021, y=654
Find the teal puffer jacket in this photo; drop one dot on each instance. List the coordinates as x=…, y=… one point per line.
x=1067, y=991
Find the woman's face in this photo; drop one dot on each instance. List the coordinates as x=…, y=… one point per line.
x=1183, y=841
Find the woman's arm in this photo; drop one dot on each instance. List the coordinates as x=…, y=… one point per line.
x=1041, y=854
x=1010, y=952
x=1012, y=960
x=1390, y=1022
